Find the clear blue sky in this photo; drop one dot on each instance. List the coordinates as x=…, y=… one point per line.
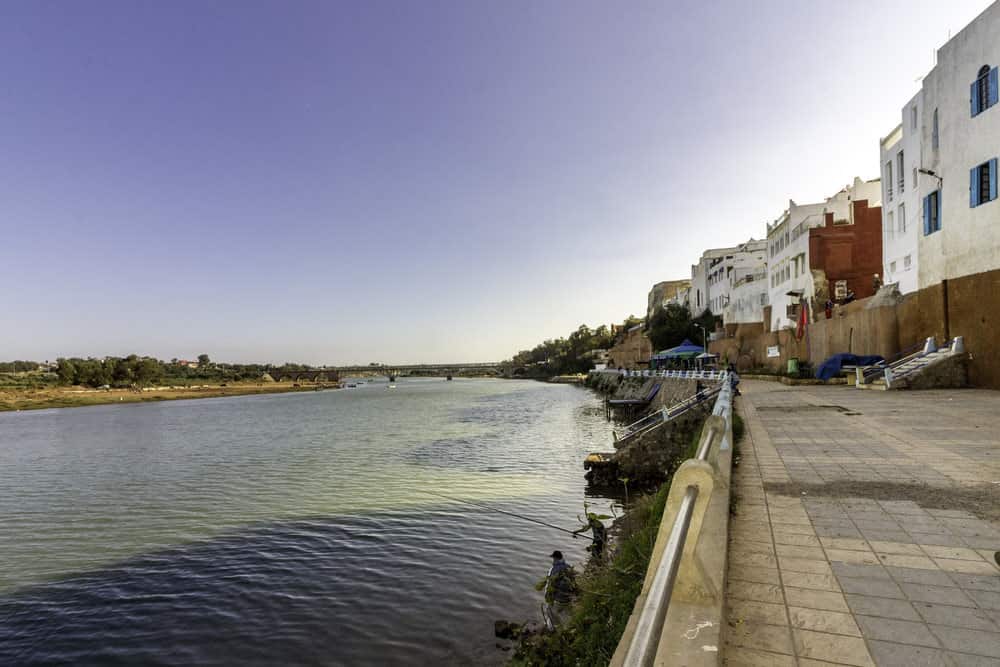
x=413, y=181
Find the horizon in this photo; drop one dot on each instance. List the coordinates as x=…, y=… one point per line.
x=335, y=184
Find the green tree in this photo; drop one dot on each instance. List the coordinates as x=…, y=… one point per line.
x=66, y=370
x=203, y=360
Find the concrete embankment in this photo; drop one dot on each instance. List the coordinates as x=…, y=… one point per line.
x=647, y=460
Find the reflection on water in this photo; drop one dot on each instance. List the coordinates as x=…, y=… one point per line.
x=288, y=527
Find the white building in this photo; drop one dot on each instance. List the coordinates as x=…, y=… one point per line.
x=960, y=137
x=740, y=268
x=703, y=280
x=789, y=276
x=901, y=206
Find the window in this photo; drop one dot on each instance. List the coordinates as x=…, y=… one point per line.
x=932, y=212
x=913, y=117
x=902, y=173
x=935, y=136
x=888, y=178
x=890, y=226
x=906, y=262
x=983, y=183
x=914, y=178
x=892, y=268
x=983, y=91
x=901, y=218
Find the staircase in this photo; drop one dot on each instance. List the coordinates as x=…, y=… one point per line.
x=902, y=373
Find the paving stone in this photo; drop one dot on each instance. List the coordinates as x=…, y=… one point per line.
x=896, y=630
x=904, y=548
x=976, y=581
x=757, y=612
x=859, y=570
x=898, y=655
x=746, y=657
x=797, y=539
x=813, y=599
x=883, y=588
x=844, y=543
x=918, y=576
x=960, y=553
x=943, y=539
x=967, y=566
x=814, y=553
x=966, y=660
x=823, y=621
x=963, y=640
x=937, y=595
x=804, y=565
x=985, y=599
x=960, y=617
x=914, y=562
x=887, y=608
x=760, y=575
x=742, y=590
x=774, y=638
x=822, y=582
x=857, y=557
x=837, y=649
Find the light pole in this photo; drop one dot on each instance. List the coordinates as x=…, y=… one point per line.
x=704, y=334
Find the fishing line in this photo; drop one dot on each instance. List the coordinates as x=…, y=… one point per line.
x=496, y=509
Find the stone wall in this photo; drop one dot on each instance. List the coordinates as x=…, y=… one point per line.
x=968, y=307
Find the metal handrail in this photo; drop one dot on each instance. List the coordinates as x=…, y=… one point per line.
x=645, y=641
x=666, y=414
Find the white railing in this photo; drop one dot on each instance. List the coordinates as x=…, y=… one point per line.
x=683, y=375
x=690, y=492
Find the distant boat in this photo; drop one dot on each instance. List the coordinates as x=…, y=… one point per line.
x=449, y=378
x=391, y=386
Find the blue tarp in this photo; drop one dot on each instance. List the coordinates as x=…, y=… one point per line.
x=831, y=367
x=685, y=349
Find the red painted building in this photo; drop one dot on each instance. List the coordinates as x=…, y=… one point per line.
x=849, y=252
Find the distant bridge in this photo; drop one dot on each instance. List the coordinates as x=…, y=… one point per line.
x=324, y=374
x=480, y=368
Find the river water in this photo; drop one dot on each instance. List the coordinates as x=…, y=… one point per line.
x=288, y=528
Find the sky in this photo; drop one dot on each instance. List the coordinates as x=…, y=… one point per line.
x=335, y=183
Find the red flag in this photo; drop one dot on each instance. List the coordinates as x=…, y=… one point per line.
x=803, y=320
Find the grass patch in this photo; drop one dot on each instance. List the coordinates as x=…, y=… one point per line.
x=607, y=592
x=607, y=595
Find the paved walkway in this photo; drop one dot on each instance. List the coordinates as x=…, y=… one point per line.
x=853, y=541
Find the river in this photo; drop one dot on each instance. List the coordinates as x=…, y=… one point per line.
x=289, y=528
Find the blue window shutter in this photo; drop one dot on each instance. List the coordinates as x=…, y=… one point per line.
x=993, y=87
x=993, y=178
x=974, y=95
x=974, y=187
x=927, y=215
x=938, y=198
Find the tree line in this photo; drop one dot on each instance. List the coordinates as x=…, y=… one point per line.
x=135, y=370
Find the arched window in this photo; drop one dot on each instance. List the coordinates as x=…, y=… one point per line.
x=983, y=84
x=984, y=90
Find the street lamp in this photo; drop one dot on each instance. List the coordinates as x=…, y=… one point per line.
x=704, y=334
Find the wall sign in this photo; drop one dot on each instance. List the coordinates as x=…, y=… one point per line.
x=772, y=351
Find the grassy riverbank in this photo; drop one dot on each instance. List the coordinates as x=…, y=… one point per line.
x=40, y=398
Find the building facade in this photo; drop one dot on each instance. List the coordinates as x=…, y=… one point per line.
x=901, y=205
x=792, y=274
x=960, y=137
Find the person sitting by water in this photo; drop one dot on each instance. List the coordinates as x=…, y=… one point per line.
x=600, y=535
x=734, y=380
x=560, y=586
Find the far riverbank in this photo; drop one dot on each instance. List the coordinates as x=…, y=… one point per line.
x=76, y=397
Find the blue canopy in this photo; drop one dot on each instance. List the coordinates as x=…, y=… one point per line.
x=686, y=349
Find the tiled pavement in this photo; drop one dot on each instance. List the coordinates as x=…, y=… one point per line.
x=818, y=579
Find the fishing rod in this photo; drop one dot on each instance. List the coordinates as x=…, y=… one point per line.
x=496, y=509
